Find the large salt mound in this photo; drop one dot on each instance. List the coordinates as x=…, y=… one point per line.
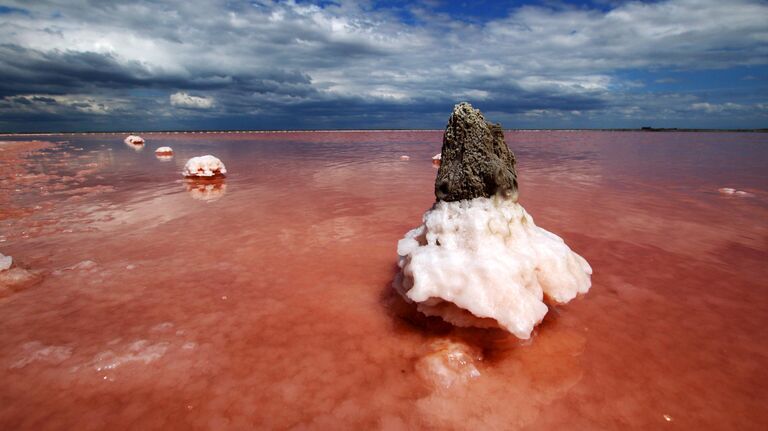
x=483, y=262
x=204, y=166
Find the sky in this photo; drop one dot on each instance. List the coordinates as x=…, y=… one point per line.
x=69, y=65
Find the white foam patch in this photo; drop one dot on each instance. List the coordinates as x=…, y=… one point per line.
x=204, y=166
x=483, y=262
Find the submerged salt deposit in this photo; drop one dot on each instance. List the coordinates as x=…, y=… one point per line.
x=450, y=363
x=204, y=166
x=483, y=262
x=478, y=259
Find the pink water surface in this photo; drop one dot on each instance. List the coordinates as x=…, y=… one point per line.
x=264, y=302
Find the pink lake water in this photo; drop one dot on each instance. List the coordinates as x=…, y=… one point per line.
x=264, y=301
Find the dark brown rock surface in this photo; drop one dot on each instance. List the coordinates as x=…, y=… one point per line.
x=476, y=161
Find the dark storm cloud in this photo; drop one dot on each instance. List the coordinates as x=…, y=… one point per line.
x=265, y=64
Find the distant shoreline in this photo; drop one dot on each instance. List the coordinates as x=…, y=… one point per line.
x=217, y=132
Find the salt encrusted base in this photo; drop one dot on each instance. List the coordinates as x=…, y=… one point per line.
x=483, y=262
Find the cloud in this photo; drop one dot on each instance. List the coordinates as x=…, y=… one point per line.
x=362, y=64
x=717, y=108
x=184, y=100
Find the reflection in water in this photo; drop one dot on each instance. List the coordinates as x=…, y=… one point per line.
x=164, y=153
x=135, y=146
x=155, y=312
x=203, y=189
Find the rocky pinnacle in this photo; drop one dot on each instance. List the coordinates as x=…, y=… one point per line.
x=475, y=159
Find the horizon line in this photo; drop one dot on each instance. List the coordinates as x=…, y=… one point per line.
x=210, y=132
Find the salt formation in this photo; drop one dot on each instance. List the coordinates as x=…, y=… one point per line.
x=14, y=279
x=134, y=140
x=479, y=259
x=437, y=158
x=404, y=157
x=205, y=167
x=731, y=191
x=5, y=262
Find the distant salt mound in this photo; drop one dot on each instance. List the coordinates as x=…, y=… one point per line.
x=734, y=192
x=134, y=140
x=204, y=167
x=478, y=259
x=483, y=262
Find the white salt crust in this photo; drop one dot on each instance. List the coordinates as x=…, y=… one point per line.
x=134, y=140
x=5, y=262
x=485, y=256
x=164, y=150
x=204, y=166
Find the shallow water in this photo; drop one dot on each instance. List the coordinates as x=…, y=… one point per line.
x=264, y=300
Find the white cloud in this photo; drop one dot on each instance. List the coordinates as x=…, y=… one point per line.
x=715, y=108
x=242, y=54
x=184, y=100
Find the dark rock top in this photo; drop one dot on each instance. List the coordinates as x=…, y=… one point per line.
x=475, y=159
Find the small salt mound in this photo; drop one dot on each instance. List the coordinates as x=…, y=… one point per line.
x=204, y=166
x=5, y=262
x=134, y=140
x=731, y=191
x=437, y=157
x=404, y=157
x=164, y=150
x=15, y=279
x=483, y=262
